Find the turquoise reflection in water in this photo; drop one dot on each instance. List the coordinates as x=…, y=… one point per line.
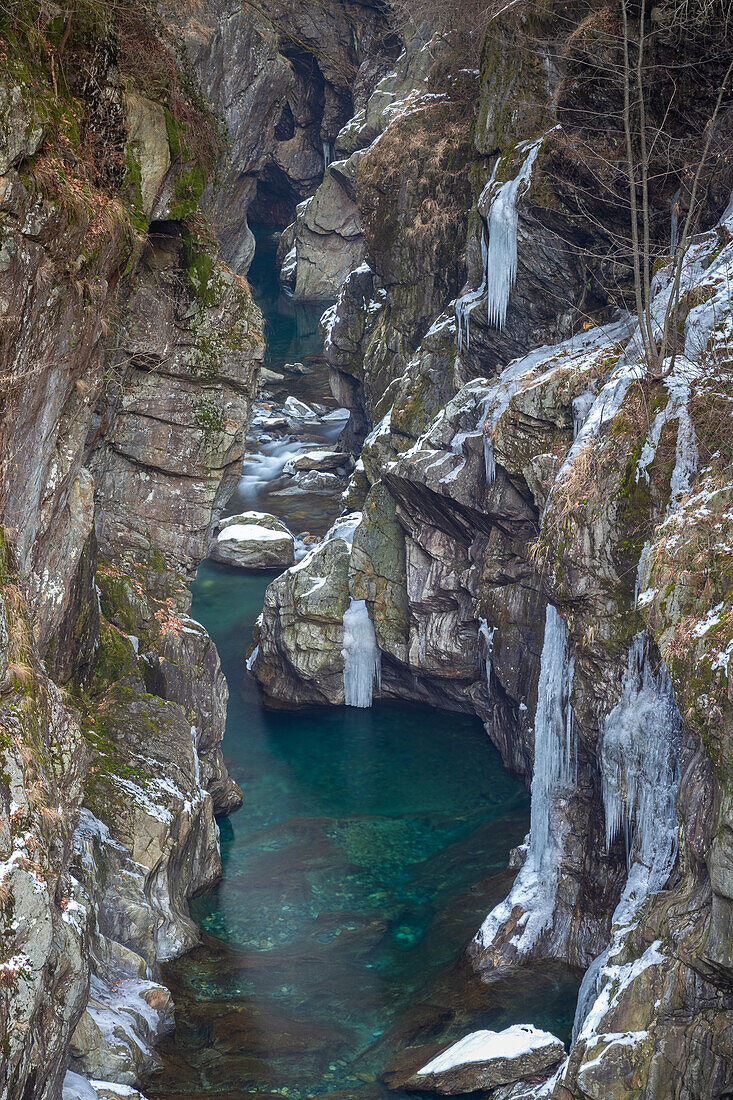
x=354, y=875
x=370, y=847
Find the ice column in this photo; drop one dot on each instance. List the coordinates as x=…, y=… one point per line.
x=487, y=633
x=501, y=261
x=362, y=659
x=554, y=766
x=639, y=757
x=554, y=774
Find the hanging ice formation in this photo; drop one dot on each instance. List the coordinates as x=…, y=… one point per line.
x=362, y=659
x=465, y=304
x=498, y=248
x=554, y=774
x=501, y=264
x=328, y=154
x=487, y=633
x=639, y=768
x=639, y=757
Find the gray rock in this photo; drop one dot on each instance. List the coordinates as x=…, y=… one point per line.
x=254, y=540
x=486, y=1059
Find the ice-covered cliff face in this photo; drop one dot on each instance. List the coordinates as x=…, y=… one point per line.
x=619, y=710
x=542, y=541
x=130, y=356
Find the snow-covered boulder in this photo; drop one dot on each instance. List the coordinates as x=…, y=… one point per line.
x=298, y=410
x=317, y=481
x=254, y=540
x=487, y=1059
x=320, y=460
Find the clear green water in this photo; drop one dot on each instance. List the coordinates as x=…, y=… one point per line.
x=370, y=846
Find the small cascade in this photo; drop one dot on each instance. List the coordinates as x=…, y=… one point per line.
x=486, y=633
x=328, y=154
x=362, y=658
x=554, y=775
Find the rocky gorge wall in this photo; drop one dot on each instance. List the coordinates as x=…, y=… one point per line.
x=541, y=532
x=130, y=357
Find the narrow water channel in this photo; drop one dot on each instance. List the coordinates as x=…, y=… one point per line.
x=370, y=846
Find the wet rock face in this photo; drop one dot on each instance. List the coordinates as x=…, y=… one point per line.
x=126, y=389
x=285, y=79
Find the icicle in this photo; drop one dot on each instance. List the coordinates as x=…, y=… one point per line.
x=489, y=462
x=640, y=569
x=487, y=633
x=554, y=774
x=501, y=262
x=582, y=405
x=465, y=304
x=639, y=757
x=328, y=154
x=639, y=767
x=553, y=744
x=362, y=659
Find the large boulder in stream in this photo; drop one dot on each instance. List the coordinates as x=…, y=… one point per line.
x=254, y=540
x=487, y=1059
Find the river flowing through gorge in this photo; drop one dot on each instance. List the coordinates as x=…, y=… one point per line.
x=371, y=845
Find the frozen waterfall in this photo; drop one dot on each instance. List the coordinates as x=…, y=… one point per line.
x=501, y=261
x=498, y=248
x=640, y=774
x=639, y=768
x=362, y=659
x=554, y=774
x=328, y=154
x=554, y=757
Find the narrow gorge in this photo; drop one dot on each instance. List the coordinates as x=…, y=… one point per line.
x=366, y=540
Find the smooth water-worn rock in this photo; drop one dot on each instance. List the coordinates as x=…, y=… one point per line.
x=254, y=540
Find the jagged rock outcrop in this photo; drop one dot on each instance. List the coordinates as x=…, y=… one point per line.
x=516, y=553
x=285, y=78
x=465, y=535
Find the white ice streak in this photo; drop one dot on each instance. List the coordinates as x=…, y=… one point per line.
x=554, y=774
x=486, y=634
x=362, y=658
x=639, y=758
